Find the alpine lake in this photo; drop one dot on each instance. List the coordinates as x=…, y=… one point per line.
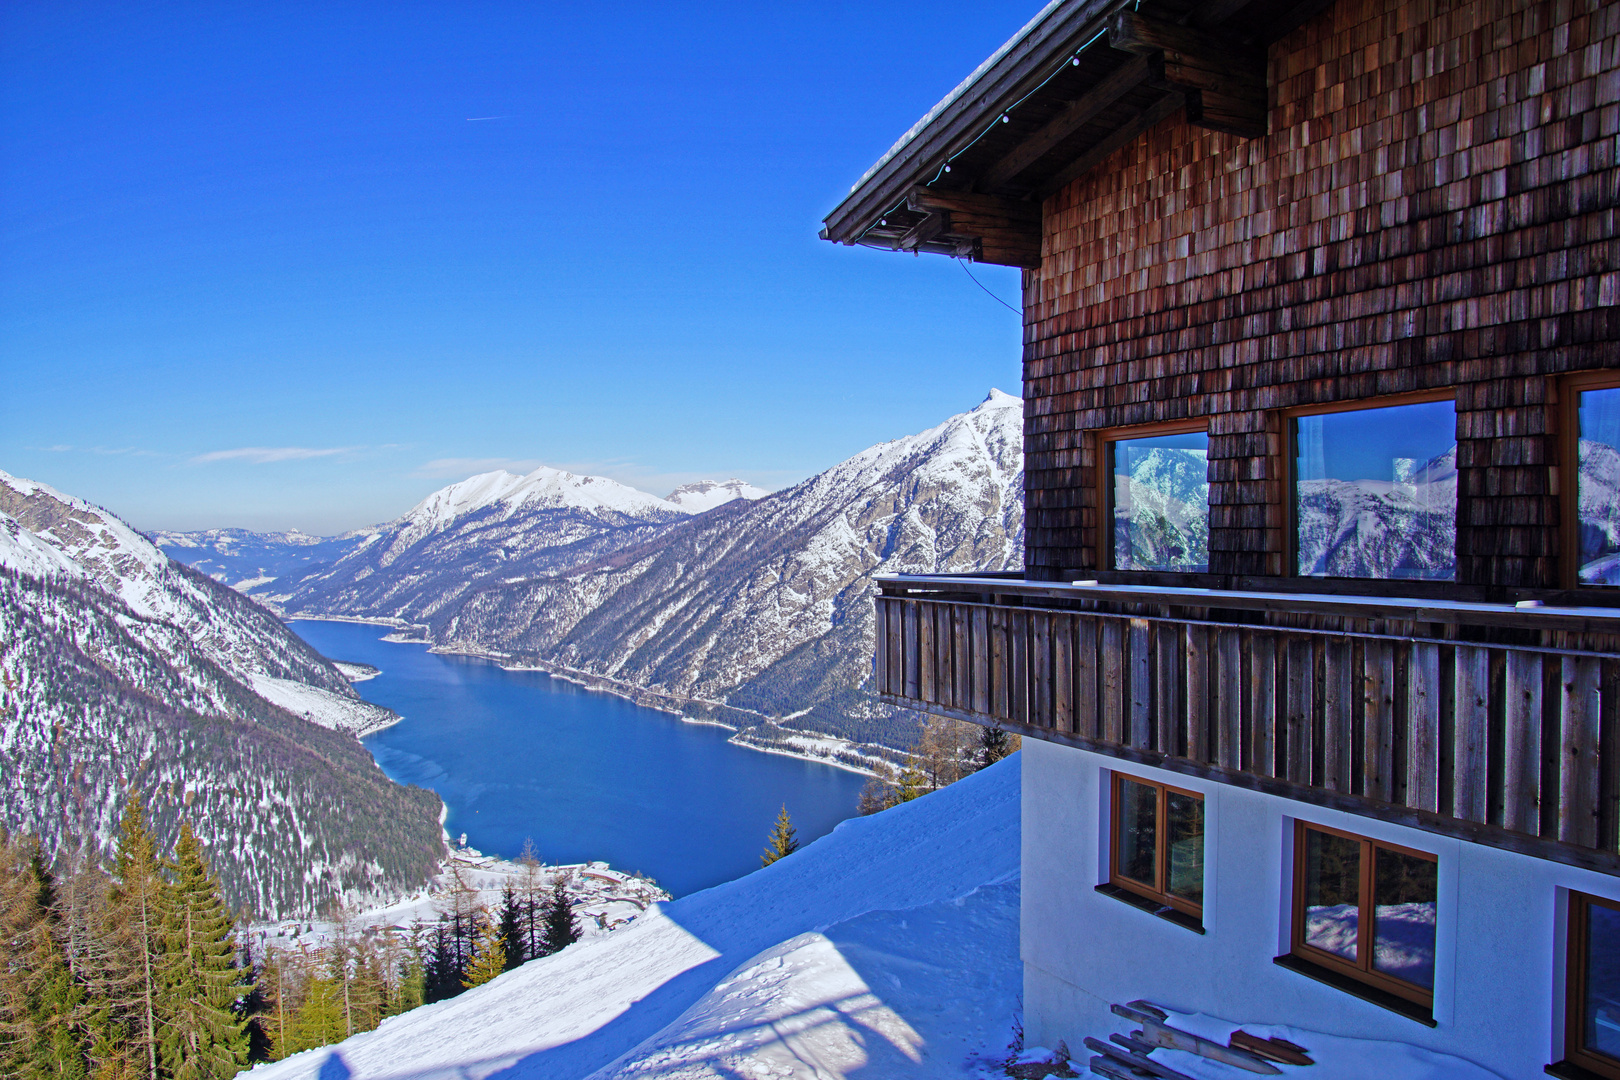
x=520, y=755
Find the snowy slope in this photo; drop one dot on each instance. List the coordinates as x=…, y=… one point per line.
x=250, y=561
x=708, y=494
x=888, y=948
x=22, y=551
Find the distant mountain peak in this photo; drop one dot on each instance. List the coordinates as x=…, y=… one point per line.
x=998, y=399
x=707, y=494
x=542, y=488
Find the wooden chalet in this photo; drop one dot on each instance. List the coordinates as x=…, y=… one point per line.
x=1318, y=634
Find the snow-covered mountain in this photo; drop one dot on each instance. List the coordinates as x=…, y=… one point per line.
x=123, y=673
x=708, y=494
x=250, y=561
x=767, y=605
x=495, y=525
x=1404, y=528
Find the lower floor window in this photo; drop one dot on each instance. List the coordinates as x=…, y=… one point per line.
x=1158, y=848
x=1366, y=910
x=1593, y=1035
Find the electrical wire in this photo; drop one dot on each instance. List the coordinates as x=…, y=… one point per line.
x=987, y=292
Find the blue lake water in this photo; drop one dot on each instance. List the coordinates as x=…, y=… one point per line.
x=586, y=775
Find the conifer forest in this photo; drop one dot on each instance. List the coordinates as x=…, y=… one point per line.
x=134, y=968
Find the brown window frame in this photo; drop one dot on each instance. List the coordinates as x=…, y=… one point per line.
x=1569, y=456
x=1362, y=970
x=1290, y=455
x=1575, y=1051
x=1106, y=438
x=1161, y=847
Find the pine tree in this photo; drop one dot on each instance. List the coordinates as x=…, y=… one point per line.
x=561, y=931
x=489, y=959
x=782, y=842
x=532, y=892
x=509, y=922
x=201, y=1037
x=319, y=1018
x=995, y=744
x=441, y=972
x=131, y=946
x=41, y=1007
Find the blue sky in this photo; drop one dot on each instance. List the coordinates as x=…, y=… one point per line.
x=298, y=264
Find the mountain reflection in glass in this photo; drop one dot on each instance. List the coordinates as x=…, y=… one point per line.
x=1161, y=502
x=1375, y=493
x=1404, y=903
x=1599, y=488
x=1138, y=832
x=1185, y=828
x=1601, y=1009
x=1332, y=893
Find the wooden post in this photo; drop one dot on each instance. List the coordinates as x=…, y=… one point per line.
x=1301, y=680
x=1113, y=679
x=1040, y=669
x=1197, y=737
x=961, y=659
x=909, y=629
x=980, y=638
x=1423, y=728
x=1018, y=676
x=1578, y=763
x=1000, y=700
x=1229, y=706
x=1337, y=714
x=927, y=663
x=880, y=673
x=1141, y=710
x=1063, y=672
x=1167, y=653
x=1378, y=721
x=1086, y=689
x=1470, y=734
x=1263, y=702
x=1521, y=757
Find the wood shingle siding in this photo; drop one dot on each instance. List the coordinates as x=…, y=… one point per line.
x=1435, y=207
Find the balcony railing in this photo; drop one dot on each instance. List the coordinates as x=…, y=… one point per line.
x=1497, y=723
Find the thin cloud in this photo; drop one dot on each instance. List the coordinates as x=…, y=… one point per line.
x=269, y=455
x=104, y=451
x=459, y=468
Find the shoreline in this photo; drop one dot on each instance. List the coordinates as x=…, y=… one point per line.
x=652, y=699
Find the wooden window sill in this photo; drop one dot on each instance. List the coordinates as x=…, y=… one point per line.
x=1153, y=907
x=1423, y=1014
x=1568, y=1070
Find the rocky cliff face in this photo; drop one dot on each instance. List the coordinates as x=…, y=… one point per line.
x=125, y=675
x=767, y=605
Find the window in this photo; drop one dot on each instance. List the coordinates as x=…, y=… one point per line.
x=1366, y=910
x=1158, y=844
x=1375, y=492
x=1596, y=525
x=1592, y=1038
x=1156, y=493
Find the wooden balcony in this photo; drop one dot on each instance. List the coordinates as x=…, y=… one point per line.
x=1495, y=723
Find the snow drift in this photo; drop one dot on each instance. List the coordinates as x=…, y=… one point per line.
x=888, y=948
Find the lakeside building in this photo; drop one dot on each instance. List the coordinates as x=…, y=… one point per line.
x=1316, y=651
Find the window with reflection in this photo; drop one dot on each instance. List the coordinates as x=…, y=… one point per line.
x=1366, y=910
x=1592, y=1038
x=1159, y=499
x=1375, y=493
x=1158, y=843
x=1597, y=486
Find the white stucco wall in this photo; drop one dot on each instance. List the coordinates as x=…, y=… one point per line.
x=1499, y=953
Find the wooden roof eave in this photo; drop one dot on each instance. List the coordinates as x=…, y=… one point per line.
x=1082, y=80
x=1020, y=70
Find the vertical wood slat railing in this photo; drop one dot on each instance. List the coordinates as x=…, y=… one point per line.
x=1519, y=738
